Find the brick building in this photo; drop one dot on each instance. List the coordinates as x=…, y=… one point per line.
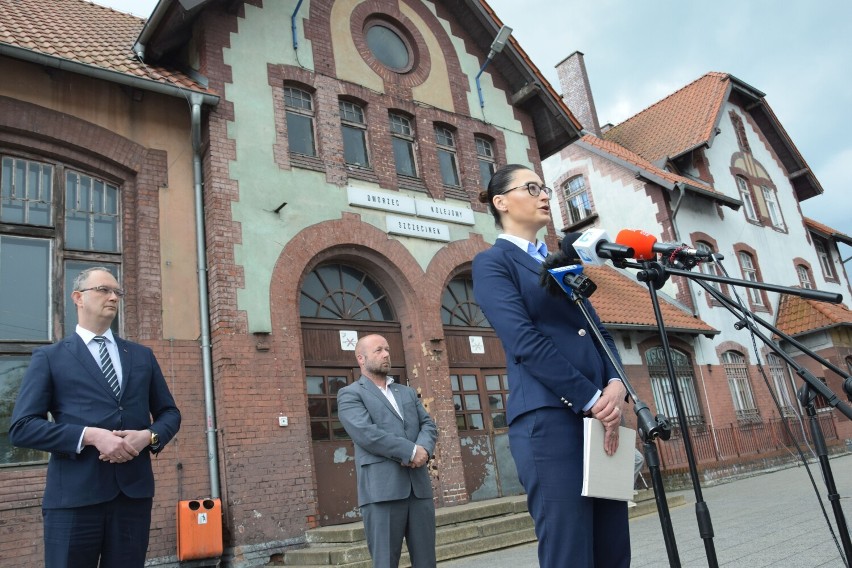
x=274, y=179
x=711, y=165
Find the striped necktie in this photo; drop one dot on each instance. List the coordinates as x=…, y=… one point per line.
x=106, y=365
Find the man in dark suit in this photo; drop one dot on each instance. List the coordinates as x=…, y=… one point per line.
x=394, y=438
x=110, y=409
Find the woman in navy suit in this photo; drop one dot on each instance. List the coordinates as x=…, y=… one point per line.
x=557, y=374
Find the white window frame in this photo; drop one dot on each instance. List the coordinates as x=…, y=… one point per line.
x=739, y=384
x=574, y=193
x=804, y=276
x=749, y=270
x=445, y=140
x=747, y=199
x=772, y=207
x=824, y=257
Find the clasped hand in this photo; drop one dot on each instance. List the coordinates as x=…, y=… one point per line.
x=117, y=446
x=608, y=409
x=421, y=456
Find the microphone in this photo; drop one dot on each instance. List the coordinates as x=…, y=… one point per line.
x=594, y=247
x=647, y=247
x=562, y=272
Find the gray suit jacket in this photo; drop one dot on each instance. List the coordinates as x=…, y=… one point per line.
x=384, y=442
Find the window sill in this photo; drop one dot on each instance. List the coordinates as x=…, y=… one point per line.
x=581, y=224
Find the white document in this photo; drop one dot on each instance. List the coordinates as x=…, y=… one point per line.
x=607, y=477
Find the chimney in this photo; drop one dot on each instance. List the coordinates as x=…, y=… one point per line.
x=576, y=91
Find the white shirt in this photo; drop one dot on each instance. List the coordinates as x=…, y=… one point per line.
x=95, y=349
x=389, y=395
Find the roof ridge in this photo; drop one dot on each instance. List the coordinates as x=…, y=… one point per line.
x=717, y=74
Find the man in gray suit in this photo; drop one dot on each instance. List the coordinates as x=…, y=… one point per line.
x=394, y=439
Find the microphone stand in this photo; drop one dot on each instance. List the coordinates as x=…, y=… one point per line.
x=806, y=394
x=814, y=383
x=650, y=427
x=655, y=274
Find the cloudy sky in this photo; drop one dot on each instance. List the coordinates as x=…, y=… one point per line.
x=798, y=52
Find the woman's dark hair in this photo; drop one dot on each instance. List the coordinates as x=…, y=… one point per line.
x=499, y=183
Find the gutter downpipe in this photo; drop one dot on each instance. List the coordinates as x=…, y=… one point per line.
x=682, y=190
x=203, y=298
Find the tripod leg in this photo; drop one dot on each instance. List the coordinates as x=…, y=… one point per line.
x=652, y=458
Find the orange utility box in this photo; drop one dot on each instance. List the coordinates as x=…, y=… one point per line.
x=199, y=529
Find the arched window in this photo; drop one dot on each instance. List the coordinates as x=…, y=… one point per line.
x=402, y=139
x=661, y=385
x=446, y=142
x=708, y=267
x=338, y=291
x=299, y=108
x=783, y=383
x=746, y=196
x=804, y=276
x=822, y=250
x=577, y=199
x=354, y=129
x=770, y=198
x=458, y=306
x=485, y=156
x=749, y=270
x=740, y=385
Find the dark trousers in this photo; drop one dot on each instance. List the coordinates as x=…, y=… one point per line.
x=547, y=445
x=387, y=522
x=114, y=533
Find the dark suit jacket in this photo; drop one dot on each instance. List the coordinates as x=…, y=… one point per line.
x=65, y=380
x=552, y=357
x=384, y=441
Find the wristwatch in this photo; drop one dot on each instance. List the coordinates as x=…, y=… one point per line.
x=155, y=438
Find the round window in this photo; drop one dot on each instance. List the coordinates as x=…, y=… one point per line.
x=389, y=47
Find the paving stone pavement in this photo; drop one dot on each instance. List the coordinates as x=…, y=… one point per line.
x=770, y=519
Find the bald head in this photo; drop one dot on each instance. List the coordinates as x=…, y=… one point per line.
x=373, y=355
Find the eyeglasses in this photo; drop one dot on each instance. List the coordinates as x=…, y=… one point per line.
x=534, y=189
x=105, y=290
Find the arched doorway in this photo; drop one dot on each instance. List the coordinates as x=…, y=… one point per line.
x=339, y=303
x=480, y=389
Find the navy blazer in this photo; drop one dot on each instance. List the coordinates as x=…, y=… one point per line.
x=552, y=357
x=65, y=380
x=384, y=441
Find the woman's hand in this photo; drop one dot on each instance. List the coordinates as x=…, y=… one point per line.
x=608, y=409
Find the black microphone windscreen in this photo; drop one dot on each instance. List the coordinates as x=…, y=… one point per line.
x=567, y=248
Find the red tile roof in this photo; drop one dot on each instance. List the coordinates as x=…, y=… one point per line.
x=799, y=315
x=620, y=152
x=623, y=302
x=683, y=120
x=826, y=230
x=82, y=32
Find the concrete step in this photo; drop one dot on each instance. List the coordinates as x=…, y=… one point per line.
x=449, y=537
x=462, y=530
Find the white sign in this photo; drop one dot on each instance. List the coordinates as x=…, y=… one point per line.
x=348, y=339
x=202, y=518
x=444, y=212
x=476, y=344
x=383, y=200
x=411, y=227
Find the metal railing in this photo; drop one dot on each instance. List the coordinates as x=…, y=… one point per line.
x=741, y=442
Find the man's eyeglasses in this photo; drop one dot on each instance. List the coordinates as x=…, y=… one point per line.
x=105, y=290
x=534, y=189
